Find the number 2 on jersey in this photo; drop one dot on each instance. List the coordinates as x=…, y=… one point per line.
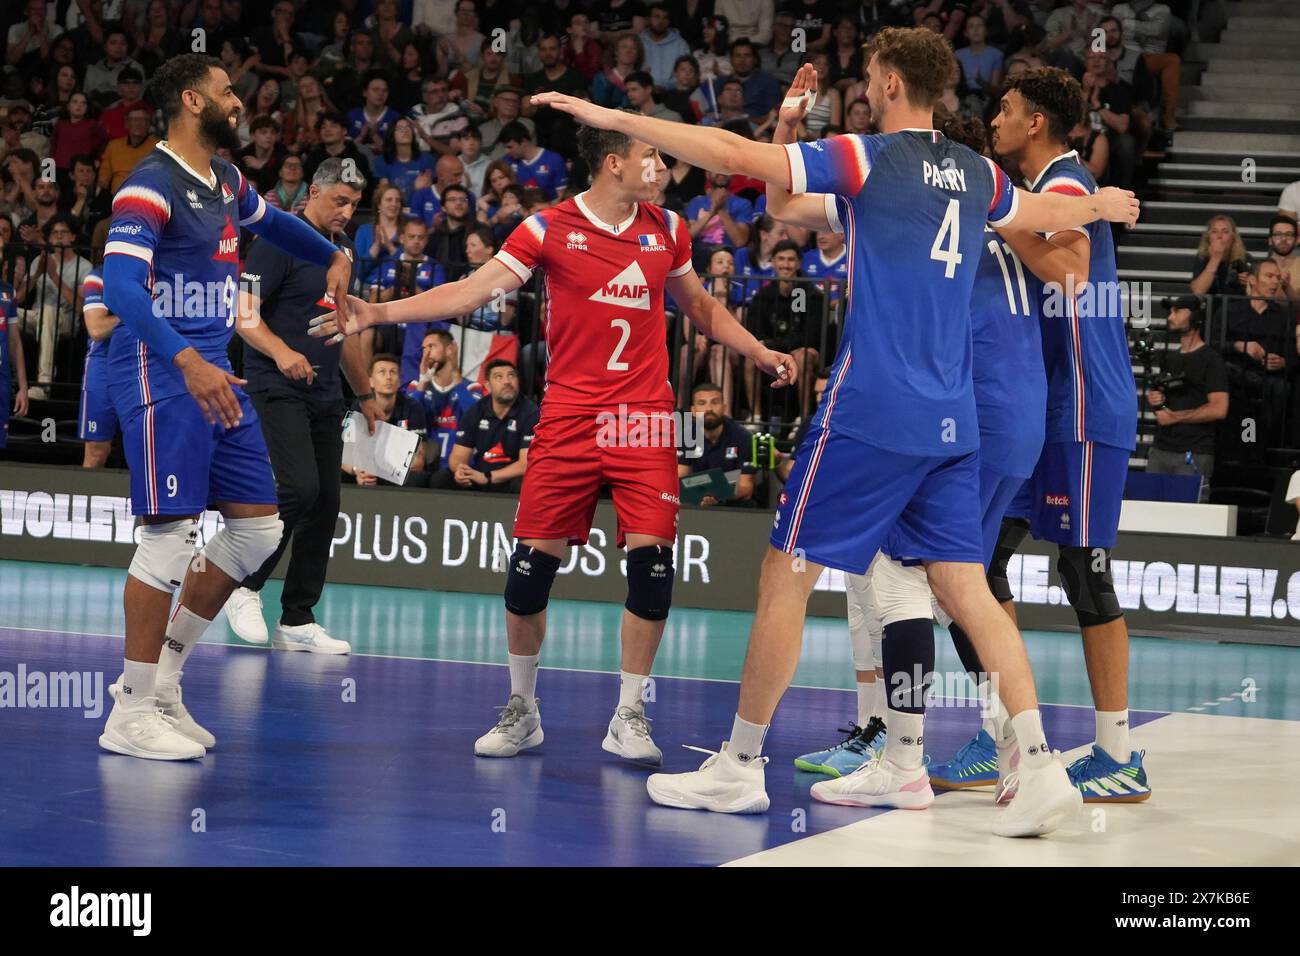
x=614, y=365
x=951, y=228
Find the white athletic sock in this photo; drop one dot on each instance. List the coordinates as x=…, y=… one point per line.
x=523, y=677
x=1028, y=727
x=631, y=688
x=138, y=680
x=1112, y=734
x=866, y=695
x=905, y=743
x=183, y=633
x=746, y=739
x=996, y=722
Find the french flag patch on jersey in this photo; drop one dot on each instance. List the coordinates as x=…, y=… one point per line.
x=652, y=243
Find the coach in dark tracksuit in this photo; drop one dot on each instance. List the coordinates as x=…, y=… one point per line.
x=294, y=383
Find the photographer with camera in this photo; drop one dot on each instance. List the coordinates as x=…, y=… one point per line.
x=1189, y=395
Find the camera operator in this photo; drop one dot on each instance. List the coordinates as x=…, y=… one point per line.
x=1189, y=397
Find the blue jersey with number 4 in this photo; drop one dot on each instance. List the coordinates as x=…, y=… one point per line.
x=912, y=206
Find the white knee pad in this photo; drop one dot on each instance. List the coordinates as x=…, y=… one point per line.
x=242, y=544
x=864, y=622
x=902, y=593
x=163, y=555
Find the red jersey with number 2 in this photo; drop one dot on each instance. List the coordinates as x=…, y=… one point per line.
x=603, y=301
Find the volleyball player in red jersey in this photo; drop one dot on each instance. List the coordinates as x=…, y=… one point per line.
x=607, y=257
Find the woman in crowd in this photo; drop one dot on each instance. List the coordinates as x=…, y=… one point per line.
x=857, y=117
x=377, y=240
x=266, y=102
x=407, y=85
x=714, y=55
x=239, y=64
x=828, y=110
x=845, y=59
x=753, y=260
x=496, y=178
x=402, y=161
x=156, y=38
x=1221, y=260
x=623, y=57
x=76, y=133
x=312, y=103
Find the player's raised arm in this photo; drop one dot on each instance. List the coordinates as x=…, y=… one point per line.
x=809, y=210
x=701, y=146
x=450, y=300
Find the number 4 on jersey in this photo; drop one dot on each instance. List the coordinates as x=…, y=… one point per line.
x=951, y=228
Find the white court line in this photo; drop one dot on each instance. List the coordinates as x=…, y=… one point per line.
x=1222, y=795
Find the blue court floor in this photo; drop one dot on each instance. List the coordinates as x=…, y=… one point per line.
x=367, y=759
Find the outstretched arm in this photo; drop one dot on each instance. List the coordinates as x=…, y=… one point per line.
x=702, y=146
x=1053, y=212
x=809, y=209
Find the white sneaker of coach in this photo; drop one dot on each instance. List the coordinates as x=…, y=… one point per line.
x=518, y=728
x=171, y=706
x=145, y=731
x=308, y=637
x=878, y=783
x=244, y=612
x=723, y=784
x=1044, y=800
x=629, y=736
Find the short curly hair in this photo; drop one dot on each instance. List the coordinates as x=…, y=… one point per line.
x=1054, y=93
x=921, y=57
x=967, y=130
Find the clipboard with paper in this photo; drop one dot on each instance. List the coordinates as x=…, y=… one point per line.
x=386, y=454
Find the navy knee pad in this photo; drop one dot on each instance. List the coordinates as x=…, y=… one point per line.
x=908, y=652
x=1085, y=575
x=1010, y=536
x=650, y=581
x=529, y=579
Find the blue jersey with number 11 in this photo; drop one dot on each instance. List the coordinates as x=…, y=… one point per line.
x=913, y=210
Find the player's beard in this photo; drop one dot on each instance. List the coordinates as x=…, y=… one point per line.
x=712, y=420
x=214, y=126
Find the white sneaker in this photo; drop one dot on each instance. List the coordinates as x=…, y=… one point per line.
x=878, y=783
x=170, y=704
x=722, y=784
x=518, y=728
x=145, y=731
x=308, y=637
x=1044, y=800
x=1008, y=770
x=244, y=612
x=629, y=736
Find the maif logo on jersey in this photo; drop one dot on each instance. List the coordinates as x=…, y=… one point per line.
x=628, y=289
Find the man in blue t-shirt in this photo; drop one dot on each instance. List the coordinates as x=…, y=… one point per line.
x=533, y=166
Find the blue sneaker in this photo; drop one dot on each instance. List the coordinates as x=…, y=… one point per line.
x=1103, y=779
x=975, y=765
x=860, y=746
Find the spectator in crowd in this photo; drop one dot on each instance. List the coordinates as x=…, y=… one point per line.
x=209, y=17
x=1069, y=33
x=11, y=353
x=752, y=19
x=28, y=42
x=1126, y=58
x=662, y=43
x=440, y=121
x=332, y=130
x=53, y=101
x=1221, y=260
x=582, y=50
x=389, y=32
x=553, y=127
x=478, y=84
x=266, y=103
x=379, y=240
x=121, y=155
x=1281, y=249
x=53, y=292
x=402, y=162
x=684, y=95
x=1288, y=204
x=489, y=332
x=641, y=97
x=100, y=81
x=461, y=48
x=844, y=54
x=445, y=392
x=1262, y=349
x=309, y=106
x=156, y=39
x=754, y=259
x=506, y=107
x=18, y=133
x=1147, y=24
x=290, y=191
x=18, y=186
x=829, y=108
x=980, y=61
x=260, y=160
x=723, y=364
x=46, y=195
x=785, y=322
x=409, y=274
x=400, y=410
x=828, y=262
x=1190, y=407
x=275, y=43
x=13, y=263
x=624, y=56
x=714, y=53
x=723, y=444
x=778, y=57
x=1110, y=105
x=76, y=134
x=435, y=18
x=814, y=18
x=719, y=217
x=130, y=94
x=731, y=106
x=406, y=88
x=857, y=117
x=1091, y=144
x=492, y=439
x=762, y=93
x=473, y=161
x=84, y=199
x=238, y=62
x=534, y=166
x=368, y=125
x=500, y=177
x=619, y=16
x=447, y=241
x=426, y=201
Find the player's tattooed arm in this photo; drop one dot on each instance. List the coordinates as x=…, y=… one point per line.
x=1053, y=211
x=713, y=319
x=809, y=209
x=701, y=146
